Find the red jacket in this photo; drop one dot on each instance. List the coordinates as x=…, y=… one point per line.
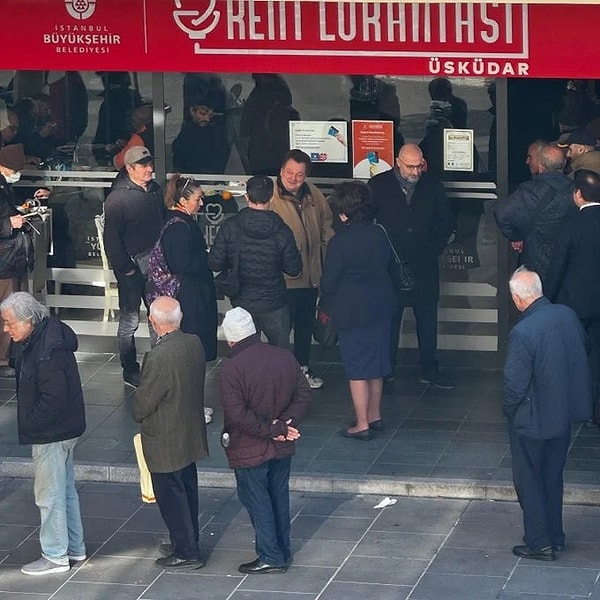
x=260, y=384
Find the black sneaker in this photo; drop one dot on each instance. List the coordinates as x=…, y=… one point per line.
x=437, y=380
x=131, y=378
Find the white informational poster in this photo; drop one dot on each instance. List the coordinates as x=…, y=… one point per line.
x=458, y=150
x=323, y=141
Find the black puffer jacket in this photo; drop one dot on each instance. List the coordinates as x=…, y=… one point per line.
x=267, y=250
x=133, y=220
x=50, y=404
x=533, y=214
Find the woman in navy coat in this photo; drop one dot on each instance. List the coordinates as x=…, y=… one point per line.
x=184, y=248
x=356, y=275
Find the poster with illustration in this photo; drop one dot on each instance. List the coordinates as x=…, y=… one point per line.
x=323, y=141
x=372, y=148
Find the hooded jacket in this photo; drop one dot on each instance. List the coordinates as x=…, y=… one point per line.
x=133, y=220
x=266, y=249
x=50, y=404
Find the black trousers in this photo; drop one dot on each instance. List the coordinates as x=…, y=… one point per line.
x=303, y=307
x=177, y=498
x=592, y=343
x=538, y=477
x=426, y=321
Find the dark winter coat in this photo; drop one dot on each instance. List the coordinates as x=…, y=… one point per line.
x=201, y=149
x=547, y=384
x=50, y=404
x=133, y=220
x=184, y=248
x=419, y=231
x=169, y=403
x=573, y=275
x=266, y=249
x=261, y=383
x=9, y=238
x=534, y=214
x=357, y=276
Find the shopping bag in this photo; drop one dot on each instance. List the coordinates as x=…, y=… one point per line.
x=323, y=330
x=145, y=477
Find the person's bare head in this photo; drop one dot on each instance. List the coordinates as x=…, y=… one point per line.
x=410, y=162
x=533, y=156
x=165, y=315
x=551, y=159
x=525, y=288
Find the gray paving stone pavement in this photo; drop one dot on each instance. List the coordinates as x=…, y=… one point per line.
x=443, y=455
x=344, y=549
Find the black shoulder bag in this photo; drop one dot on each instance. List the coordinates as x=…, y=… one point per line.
x=400, y=271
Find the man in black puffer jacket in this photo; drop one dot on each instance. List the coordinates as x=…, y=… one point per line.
x=534, y=213
x=51, y=417
x=265, y=248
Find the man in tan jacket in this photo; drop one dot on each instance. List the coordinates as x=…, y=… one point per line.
x=169, y=403
x=306, y=212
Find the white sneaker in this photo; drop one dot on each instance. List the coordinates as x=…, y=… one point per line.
x=43, y=566
x=208, y=411
x=313, y=381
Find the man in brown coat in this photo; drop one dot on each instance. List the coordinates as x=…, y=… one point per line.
x=169, y=403
x=306, y=212
x=265, y=396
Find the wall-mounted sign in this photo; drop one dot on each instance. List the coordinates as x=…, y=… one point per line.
x=323, y=141
x=372, y=148
x=458, y=150
x=462, y=39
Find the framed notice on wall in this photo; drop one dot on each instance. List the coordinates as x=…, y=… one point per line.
x=372, y=148
x=459, y=150
x=323, y=141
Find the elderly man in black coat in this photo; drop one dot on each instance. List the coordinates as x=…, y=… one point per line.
x=415, y=211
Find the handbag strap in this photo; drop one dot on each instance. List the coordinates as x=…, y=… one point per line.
x=387, y=237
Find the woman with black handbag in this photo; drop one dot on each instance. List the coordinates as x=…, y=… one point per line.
x=357, y=278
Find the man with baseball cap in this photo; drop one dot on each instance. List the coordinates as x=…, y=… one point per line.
x=265, y=395
x=581, y=151
x=134, y=215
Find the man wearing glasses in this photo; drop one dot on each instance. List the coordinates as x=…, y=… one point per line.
x=134, y=213
x=415, y=211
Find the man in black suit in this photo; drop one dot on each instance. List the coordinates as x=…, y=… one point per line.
x=573, y=276
x=415, y=211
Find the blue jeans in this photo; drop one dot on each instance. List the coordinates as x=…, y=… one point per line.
x=131, y=294
x=265, y=492
x=61, y=531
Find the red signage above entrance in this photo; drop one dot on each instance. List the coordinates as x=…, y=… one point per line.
x=287, y=36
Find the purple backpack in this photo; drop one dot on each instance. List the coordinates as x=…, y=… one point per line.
x=161, y=282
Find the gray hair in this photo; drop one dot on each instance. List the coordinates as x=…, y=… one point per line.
x=166, y=311
x=551, y=158
x=25, y=308
x=526, y=284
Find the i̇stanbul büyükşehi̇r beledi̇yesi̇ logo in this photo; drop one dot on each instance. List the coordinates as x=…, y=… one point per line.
x=80, y=9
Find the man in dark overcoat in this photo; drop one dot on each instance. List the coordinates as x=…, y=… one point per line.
x=169, y=403
x=415, y=211
x=573, y=276
x=546, y=388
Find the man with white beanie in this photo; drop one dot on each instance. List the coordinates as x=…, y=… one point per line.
x=265, y=396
